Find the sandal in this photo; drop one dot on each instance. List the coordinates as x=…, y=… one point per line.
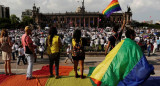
x=82, y=77
x=12, y=74
x=51, y=76
x=57, y=77
x=7, y=74
x=77, y=76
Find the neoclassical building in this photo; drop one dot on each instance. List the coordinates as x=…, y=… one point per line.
x=79, y=18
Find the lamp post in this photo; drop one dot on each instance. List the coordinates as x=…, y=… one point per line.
x=83, y=13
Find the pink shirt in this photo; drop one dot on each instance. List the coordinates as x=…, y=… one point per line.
x=26, y=40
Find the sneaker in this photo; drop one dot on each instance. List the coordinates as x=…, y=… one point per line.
x=29, y=78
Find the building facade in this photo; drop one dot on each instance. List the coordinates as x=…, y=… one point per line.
x=4, y=12
x=79, y=18
x=27, y=12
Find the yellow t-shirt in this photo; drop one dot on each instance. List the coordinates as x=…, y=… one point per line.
x=54, y=48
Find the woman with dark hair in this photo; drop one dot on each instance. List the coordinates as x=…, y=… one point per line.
x=6, y=55
x=54, y=44
x=78, y=53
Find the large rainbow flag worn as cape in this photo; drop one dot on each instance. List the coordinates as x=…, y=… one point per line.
x=112, y=7
x=125, y=65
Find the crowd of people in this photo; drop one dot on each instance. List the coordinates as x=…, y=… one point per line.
x=27, y=44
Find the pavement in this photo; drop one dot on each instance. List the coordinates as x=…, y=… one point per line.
x=92, y=60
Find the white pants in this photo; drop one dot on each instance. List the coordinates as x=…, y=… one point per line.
x=30, y=59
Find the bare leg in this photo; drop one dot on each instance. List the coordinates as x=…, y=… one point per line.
x=71, y=60
x=75, y=68
x=5, y=66
x=82, y=68
x=66, y=60
x=9, y=66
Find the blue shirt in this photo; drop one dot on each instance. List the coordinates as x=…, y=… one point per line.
x=158, y=42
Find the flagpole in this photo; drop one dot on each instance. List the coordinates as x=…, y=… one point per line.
x=83, y=10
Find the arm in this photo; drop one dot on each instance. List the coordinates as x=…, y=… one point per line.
x=107, y=47
x=9, y=41
x=123, y=25
x=30, y=44
x=59, y=42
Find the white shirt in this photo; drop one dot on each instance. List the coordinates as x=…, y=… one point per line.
x=102, y=41
x=13, y=48
x=21, y=51
x=16, y=47
x=155, y=45
x=42, y=40
x=68, y=50
x=41, y=49
x=97, y=41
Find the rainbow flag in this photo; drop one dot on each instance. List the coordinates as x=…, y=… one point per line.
x=112, y=7
x=125, y=65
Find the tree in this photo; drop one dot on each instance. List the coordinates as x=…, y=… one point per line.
x=27, y=20
x=14, y=20
x=5, y=23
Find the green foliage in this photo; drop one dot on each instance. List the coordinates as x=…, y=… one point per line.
x=27, y=20
x=137, y=24
x=5, y=23
x=14, y=19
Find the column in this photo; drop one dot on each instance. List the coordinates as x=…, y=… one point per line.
x=98, y=22
x=84, y=22
x=79, y=21
x=71, y=23
x=93, y=21
x=89, y=21
x=75, y=21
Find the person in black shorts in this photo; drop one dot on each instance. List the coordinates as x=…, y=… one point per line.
x=78, y=53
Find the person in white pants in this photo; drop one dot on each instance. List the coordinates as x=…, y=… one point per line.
x=155, y=47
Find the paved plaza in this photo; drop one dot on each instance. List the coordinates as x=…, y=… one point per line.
x=92, y=60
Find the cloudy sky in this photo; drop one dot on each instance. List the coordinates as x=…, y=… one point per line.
x=141, y=9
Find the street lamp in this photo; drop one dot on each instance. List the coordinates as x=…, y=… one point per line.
x=83, y=13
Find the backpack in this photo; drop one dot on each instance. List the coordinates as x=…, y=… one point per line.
x=5, y=46
x=78, y=50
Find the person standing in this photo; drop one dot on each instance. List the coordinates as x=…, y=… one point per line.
x=21, y=55
x=54, y=44
x=29, y=51
x=158, y=43
x=148, y=48
x=41, y=50
x=6, y=43
x=78, y=53
x=16, y=48
x=13, y=51
x=115, y=37
x=102, y=44
x=69, y=54
x=154, y=47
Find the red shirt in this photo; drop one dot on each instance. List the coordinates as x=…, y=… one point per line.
x=26, y=40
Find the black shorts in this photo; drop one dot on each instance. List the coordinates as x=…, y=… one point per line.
x=78, y=58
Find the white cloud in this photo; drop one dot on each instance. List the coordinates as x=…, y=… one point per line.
x=140, y=8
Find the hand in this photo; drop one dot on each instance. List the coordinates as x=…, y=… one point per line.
x=106, y=53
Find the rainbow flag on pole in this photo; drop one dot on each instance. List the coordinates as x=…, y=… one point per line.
x=125, y=65
x=112, y=7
